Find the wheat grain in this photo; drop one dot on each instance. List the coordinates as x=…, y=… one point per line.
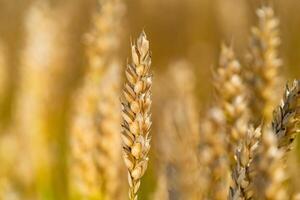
x=136, y=114
x=264, y=65
x=286, y=117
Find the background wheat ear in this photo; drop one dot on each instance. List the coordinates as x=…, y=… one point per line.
x=263, y=65
x=136, y=114
x=177, y=146
x=232, y=98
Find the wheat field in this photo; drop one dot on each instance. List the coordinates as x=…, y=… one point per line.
x=149, y=100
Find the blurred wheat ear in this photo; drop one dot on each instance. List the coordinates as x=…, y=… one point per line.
x=178, y=133
x=264, y=65
x=136, y=114
x=95, y=165
x=232, y=97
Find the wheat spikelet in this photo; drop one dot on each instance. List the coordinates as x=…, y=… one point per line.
x=267, y=169
x=286, y=117
x=232, y=98
x=96, y=123
x=136, y=114
x=241, y=174
x=264, y=65
x=179, y=132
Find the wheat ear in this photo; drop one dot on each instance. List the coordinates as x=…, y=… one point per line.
x=241, y=174
x=286, y=117
x=136, y=114
x=232, y=98
x=264, y=64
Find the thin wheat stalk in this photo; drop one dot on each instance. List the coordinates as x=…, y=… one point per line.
x=136, y=114
x=241, y=174
x=267, y=169
x=96, y=122
x=286, y=117
x=264, y=65
x=232, y=98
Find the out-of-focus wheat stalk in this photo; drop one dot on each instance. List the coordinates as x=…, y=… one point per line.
x=96, y=170
x=179, y=132
x=241, y=174
x=42, y=60
x=286, y=117
x=136, y=114
x=213, y=154
x=232, y=95
x=264, y=65
x=267, y=169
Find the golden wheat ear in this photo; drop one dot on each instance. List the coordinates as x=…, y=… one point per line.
x=232, y=98
x=241, y=174
x=136, y=114
x=286, y=117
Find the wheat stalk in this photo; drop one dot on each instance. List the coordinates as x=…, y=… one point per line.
x=264, y=65
x=286, y=117
x=136, y=114
x=241, y=174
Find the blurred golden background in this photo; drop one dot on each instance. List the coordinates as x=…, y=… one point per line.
x=44, y=61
